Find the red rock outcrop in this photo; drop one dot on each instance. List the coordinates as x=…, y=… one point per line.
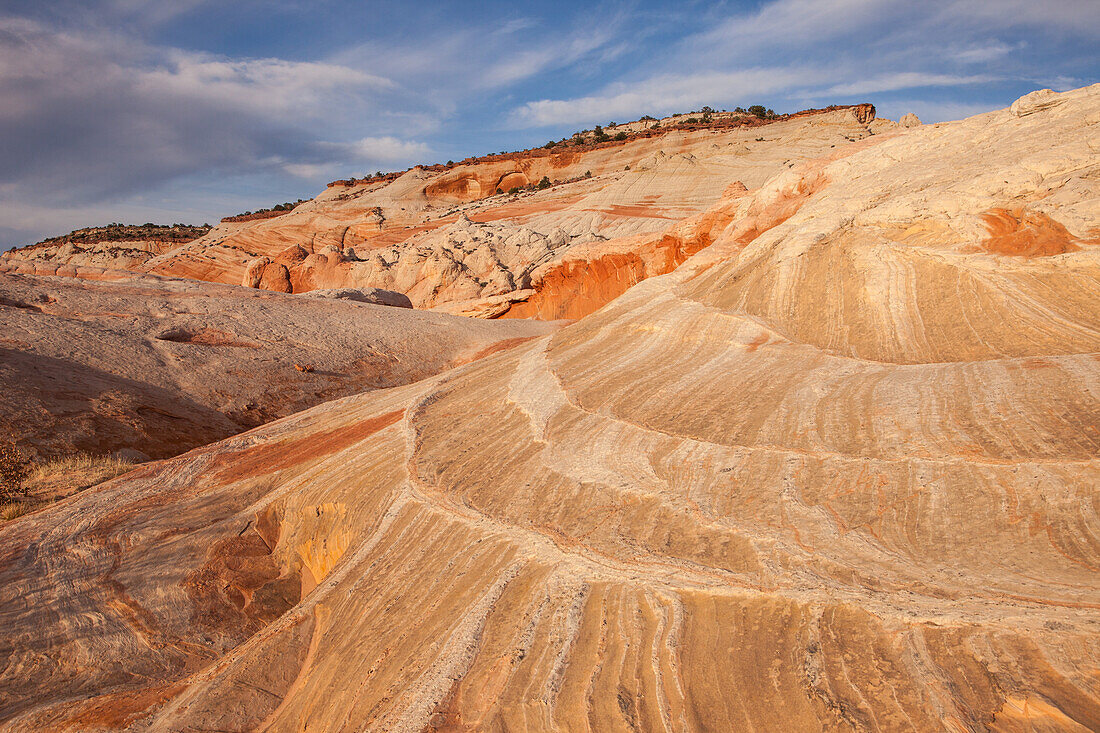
x=865, y=113
x=1026, y=234
x=588, y=278
x=267, y=275
x=396, y=232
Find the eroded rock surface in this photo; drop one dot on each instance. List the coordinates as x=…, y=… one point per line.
x=116, y=246
x=374, y=296
x=162, y=366
x=447, y=240
x=129, y=255
x=837, y=471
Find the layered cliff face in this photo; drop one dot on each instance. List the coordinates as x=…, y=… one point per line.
x=116, y=246
x=115, y=255
x=162, y=366
x=448, y=241
x=837, y=471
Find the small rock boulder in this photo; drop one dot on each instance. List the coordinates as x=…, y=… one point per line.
x=909, y=120
x=264, y=274
x=292, y=255
x=1037, y=101
x=254, y=271
x=374, y=296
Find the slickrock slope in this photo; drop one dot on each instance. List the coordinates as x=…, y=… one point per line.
x=162, y=366
x=445, y=239
x=838, y=474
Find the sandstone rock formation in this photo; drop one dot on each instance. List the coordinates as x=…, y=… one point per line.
x=128, y=255
x=909, y=120
x=162, y=366
x=1037, y=101
x=117, y=247
x=836, y=471
x=448, y=241
x=374, y=296
x=264, y=274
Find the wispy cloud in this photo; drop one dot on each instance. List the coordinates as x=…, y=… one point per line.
x=984, y=53
x=903, y=80
x=822, y=50
x=448, y=64
x=661, y=94
x=795, y=24
x=799, y=21
x=271, y=86
x=385, y=151
x=1081, y=18
x=549, y=55
x=388, y=149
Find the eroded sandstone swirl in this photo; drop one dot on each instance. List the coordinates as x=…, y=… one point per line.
x=840, y=474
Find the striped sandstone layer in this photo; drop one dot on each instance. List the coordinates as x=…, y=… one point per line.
x=839, y=473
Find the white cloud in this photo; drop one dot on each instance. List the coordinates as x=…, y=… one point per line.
x=384, y=151
x=663, y=94
x=902, y=80
x=308, y=171
x=785, y=23
x=387, y=149
x=259, y=85
x=983, y=54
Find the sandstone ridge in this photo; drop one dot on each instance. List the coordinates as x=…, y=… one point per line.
x=446, y=237
x=116, y=246
x=836, y=471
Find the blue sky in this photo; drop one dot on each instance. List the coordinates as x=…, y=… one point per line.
x=189, y=110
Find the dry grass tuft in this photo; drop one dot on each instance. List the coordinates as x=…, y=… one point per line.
x=57, y=478
x=14, y=509
x=84, y=464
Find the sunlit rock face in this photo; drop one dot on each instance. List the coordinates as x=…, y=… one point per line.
x=448, y=240
x=836, y=471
